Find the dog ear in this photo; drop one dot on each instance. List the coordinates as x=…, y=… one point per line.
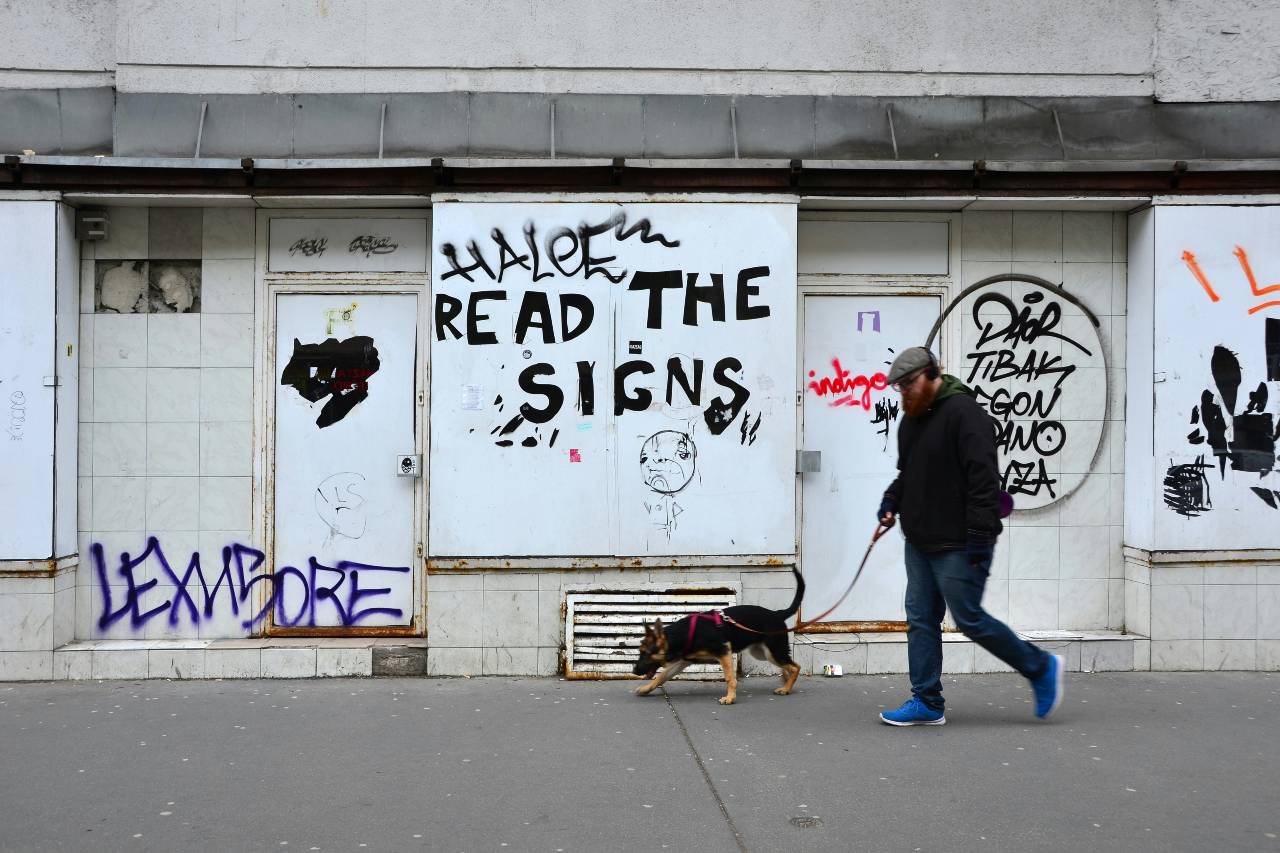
x=657, y=626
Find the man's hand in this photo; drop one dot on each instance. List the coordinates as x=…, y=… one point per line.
x=887, y=513
x=979, y=548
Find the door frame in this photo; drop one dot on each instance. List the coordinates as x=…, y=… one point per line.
x=943, y=287
x=267, y=287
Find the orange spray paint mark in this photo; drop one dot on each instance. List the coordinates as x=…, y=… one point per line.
x=1243, y=258
x=1190, y=260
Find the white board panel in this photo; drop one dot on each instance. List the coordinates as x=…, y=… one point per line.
x=710, y=468
x=1217, y=344
x=873, y=248
x=344, y=518
x=67, y=364
x=851, y=417
x=534, y=450
x=27, y=295
x=321, y=244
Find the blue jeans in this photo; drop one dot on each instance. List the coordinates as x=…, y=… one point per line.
x=940, y=580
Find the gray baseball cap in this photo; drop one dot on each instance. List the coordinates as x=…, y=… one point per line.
x=908, y=362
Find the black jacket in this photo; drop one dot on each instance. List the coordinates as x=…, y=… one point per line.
x=948, y=487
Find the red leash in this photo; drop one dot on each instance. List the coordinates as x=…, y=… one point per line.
x=880, y=531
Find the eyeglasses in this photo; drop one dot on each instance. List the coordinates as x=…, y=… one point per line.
x=904, y=384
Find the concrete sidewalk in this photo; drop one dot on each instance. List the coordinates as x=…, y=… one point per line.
x=1132, y=762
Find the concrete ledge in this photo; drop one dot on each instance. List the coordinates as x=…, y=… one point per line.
x=1084, y=651
x=291, y=657
x=857, y=654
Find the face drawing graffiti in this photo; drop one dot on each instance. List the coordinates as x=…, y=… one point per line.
x=667, y=461
x=341, y=506
x=338, y=368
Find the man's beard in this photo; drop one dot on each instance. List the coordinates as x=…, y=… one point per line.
x=918, y=402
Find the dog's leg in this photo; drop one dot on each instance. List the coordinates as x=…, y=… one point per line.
x=790, y=671
x=669, y=671
x=730, y=678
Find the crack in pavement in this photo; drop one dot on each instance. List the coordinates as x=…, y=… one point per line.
x=693, y=750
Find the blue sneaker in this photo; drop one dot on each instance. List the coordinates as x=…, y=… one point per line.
x=1048, y=687
x=913, y=713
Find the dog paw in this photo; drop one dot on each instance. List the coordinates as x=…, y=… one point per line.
x=782, y=691
x=726, y=700
x=642, y=690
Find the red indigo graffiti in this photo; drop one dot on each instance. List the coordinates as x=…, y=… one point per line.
x=848, y=386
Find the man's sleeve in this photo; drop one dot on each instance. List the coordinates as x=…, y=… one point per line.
x=978, y=460
x=893, y=495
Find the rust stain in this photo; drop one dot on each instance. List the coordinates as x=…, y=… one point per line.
x=854, y=628
x=410, y=630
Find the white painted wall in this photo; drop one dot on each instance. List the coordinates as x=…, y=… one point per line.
x=1210, y=50
x=590, y=481
x=1200, y=339
x=1176, y=50
x=57, y=43
x=584, y=46
x=1139, y=453
x=28, y=243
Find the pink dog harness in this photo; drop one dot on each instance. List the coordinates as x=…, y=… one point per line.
x=713, y=615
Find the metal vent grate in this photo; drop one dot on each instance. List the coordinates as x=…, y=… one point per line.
x=603, y=628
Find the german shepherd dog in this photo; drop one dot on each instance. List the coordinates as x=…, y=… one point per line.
x=715, y=636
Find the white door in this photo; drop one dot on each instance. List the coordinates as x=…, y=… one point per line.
x=344, y=414
x=851, y=416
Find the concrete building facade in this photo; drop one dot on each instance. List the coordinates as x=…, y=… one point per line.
x=344, y=338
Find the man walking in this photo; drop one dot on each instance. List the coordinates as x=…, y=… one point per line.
x=948, y=495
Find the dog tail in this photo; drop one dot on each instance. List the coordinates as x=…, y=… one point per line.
x=795, y=602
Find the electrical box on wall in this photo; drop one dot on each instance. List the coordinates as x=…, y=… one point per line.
x=91, y=224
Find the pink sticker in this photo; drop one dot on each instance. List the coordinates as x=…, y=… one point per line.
x=574, y=455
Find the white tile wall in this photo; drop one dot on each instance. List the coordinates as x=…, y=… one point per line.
x=119, y=449
x=226, y=340
x=228, y=233
x=120, y=340
x=166, y=413
x=1060, y=557
x=173, y=340
x=227, y=287
x=126, y=234
x=226, y=394
x=173, y=394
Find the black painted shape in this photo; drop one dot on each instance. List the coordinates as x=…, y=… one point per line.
x=336, y=369
x=719, y=414
x=512, y=425
x=655, y=283
x=1268, y=496
x=1257, y=399
x=1273, y=349
x=1226, y=375
x=555, y=397
x=1216, y=426
x=586, y=387
x=1253, y=445
x=1186, y=489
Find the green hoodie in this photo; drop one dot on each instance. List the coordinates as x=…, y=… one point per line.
x=950, y=387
